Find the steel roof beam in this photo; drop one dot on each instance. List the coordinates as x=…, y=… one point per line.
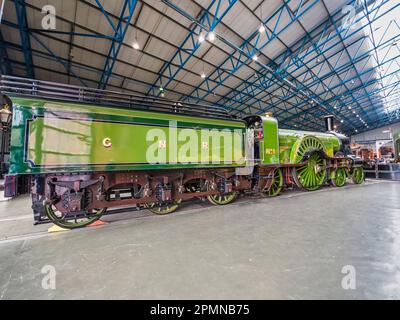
x=353, y=91
x=58, y=59
x=106, y=14
x=366, y=84
x=294, y=56
x=348, y=65
x=251, y=46
x=332, y=46
x=51, y=56
x=5, y=66
x=372, y=93
x=253, y=50
x=24, y=35
x=219, y=70
x=96, y=71
x=126, y=15
x=49, y=35
x=210, y=18
x=300, y=58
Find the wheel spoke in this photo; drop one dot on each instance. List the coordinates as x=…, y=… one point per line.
x=276, y=185
x=312, y=175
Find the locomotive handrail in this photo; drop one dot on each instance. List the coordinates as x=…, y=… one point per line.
x=10, y=85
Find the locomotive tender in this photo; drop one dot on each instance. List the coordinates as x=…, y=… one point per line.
x=87, y=150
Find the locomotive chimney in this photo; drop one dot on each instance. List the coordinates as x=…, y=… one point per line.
x=329, y=123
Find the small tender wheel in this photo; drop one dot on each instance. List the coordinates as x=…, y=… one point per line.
x=276, y=186
x=339, y=177
x=222, y=199
x=73, y=220
x=163, y=207
x=358, y=175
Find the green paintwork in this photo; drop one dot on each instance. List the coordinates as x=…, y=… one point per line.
x=68, y=137
x=270, y=146
x=280, y=146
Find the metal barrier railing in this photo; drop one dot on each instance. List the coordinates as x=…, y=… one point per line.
x=16, y=86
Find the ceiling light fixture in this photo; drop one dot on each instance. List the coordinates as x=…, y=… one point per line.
x=202, y=38
x=211, y=36
x=135, y=45
x=261, y=29
x=203, y=75
x=255, y=57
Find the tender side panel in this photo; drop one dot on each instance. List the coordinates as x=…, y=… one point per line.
x=49, y=138
x=59, y=142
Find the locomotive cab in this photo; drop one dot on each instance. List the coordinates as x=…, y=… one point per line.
x=266, y=140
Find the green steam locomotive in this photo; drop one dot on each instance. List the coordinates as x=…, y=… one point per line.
x=86, y=151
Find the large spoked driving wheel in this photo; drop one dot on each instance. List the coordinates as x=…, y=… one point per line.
x=163, y=207
x=312, y=174
x=276, y=186
x=339, y=177
x=73, y=220
x=358, y=175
